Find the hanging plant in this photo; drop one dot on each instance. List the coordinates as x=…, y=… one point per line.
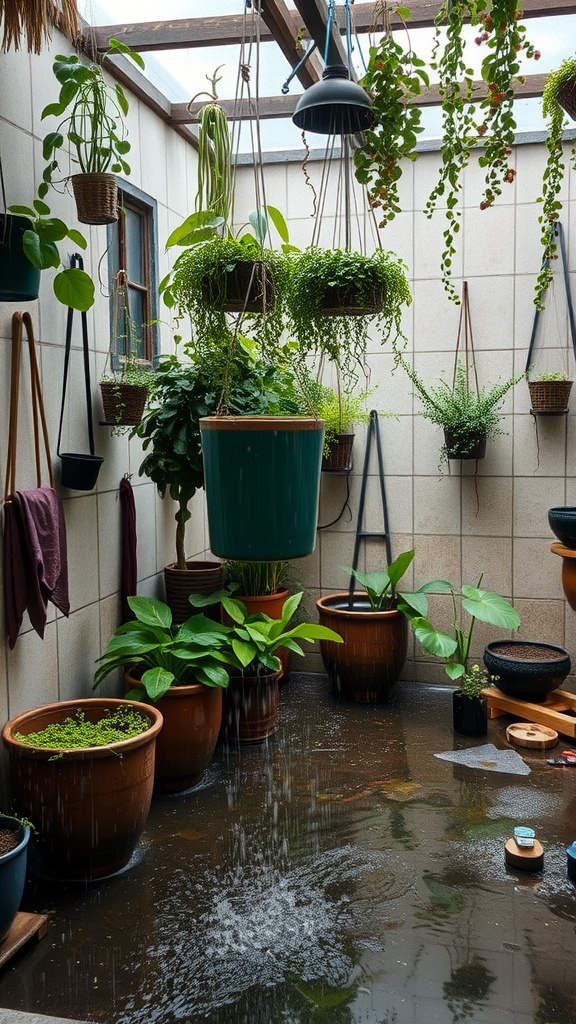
x=393, y=80
x=34, y=20
x=327, y=285
x=557, y=83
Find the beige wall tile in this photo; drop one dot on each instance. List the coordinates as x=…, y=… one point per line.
x=437, y=558
x=536, y=573
x=486, y=506
x=33, y=671
x=82, y=531
x=541, y=620
x=109, y=542
x=145, y=501
x=437, y=505
x=531, y=504
x=78, y=649
x=488, y=245
x=492, y=557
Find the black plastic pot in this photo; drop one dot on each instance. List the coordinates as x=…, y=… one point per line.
x=19, y=279
x=458, y=446
x=469, y=714
x=562, y=522
x=80, y=472
x=526, y=669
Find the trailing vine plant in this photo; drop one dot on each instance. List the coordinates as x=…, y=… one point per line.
x=394, y=79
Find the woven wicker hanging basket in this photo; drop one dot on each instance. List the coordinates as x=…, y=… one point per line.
x=566, y=97
x=123, y=403
x=550, y=397
x=96, y=198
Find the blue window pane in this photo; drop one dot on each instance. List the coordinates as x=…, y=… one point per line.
x=135, y=246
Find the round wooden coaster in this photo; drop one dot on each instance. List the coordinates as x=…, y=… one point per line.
x=530, y=734
x=526, y=858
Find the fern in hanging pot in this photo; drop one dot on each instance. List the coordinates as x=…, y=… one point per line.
x=124, y=387
x=337, y=296
x=92, y=125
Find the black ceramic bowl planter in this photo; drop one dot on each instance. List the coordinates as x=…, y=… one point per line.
x=526, y=669
x=562, y=522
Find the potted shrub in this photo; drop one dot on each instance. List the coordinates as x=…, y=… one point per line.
x=183, y=670
x=68, y=764
x=374, y=629
x=14, y=836
x=335, y=297
x=29, y=244
x=549, y=393
x=251, y=701
x=558, y=99
x=92, y=126
x=469, y=417
x=469, y=704
x=182, y=394
x=262, y=587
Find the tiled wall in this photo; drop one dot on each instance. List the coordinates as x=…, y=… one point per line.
x=461, y=524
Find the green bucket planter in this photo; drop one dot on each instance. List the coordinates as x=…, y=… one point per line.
x=262, y=481
x=19, y=279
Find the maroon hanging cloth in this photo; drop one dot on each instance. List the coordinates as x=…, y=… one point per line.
x=129, y=570
x=35, y=553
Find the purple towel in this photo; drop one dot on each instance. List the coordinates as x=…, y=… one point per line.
x=35, y=558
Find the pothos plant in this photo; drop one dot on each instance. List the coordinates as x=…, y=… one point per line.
x=463, y=127
x=554, y=170
x=394, y=79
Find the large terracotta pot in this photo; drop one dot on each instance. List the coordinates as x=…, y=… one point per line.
x=192, y=718
x=251, y=708
x=196, y=578
x=366, y=667
x=272, y=605
x=89, y=806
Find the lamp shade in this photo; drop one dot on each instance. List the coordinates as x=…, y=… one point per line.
x=334, y=106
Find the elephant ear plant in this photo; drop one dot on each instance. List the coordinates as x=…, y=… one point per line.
x=381, y=587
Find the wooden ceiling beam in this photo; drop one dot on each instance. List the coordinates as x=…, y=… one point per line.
x=283, y=106
x=313, y=13
x=283, y=27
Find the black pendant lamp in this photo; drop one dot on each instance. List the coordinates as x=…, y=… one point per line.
x=334, y=106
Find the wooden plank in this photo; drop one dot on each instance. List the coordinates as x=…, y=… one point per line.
x=24, y=928
x=550, y=712
x=280, y=21
x=423, y=12
x=314, y=15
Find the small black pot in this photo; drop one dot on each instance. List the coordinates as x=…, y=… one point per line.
x=19, y=279
x=526, y=669
x=80, y=472
x=563, y=525
x=460, y=446
x=469, y=714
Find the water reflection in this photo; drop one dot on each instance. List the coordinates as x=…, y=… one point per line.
x=339, y=873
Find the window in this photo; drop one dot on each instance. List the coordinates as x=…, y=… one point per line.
x=133, y=248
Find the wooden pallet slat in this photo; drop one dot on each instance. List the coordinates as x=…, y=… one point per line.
x=24, y=927
x=558, y=711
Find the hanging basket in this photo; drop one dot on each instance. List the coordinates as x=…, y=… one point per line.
x=550, y=397
x=19, y=279
x=262, y=481
x=566, y=97
x=123, y=403
x=339, y=458
x=250, y=288
x=349, y=301
x=458, y=446
x=96, y=198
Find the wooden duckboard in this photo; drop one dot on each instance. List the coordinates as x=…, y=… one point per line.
x=553, y=712
x=24, y=928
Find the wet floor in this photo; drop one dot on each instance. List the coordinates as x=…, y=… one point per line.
x=340, y=873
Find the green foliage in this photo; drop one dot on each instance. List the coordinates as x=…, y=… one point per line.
x=181, y=394
x=554, y=171
x=72, y=287
x=381, y=586
x=484, y=605
x=195, y=652
x=467, y=414
x=556, y=375
x=344, y=278
x=340, y=409
x=76, y=732
x=393, y=80
x=215, y=174
x=475, y=680
x=256, y=579
x=93, y=128
x=256, y=637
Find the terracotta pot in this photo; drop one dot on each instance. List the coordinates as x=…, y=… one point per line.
x=192, y=718
x=568, y=556
x=526, y=669
x=196, y=578
x=469, y=714
x=89, y=806
x=251, y=708
x=366, y=667
x=272, y=605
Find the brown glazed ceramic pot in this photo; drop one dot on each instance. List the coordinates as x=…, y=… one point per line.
x=366, y=667
x=196, y=578
x=89, y=806
x=192, y=718
x=250, y=708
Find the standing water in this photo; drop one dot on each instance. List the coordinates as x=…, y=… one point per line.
x=338, y=873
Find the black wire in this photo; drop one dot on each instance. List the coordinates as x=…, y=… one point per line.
x=342, y=510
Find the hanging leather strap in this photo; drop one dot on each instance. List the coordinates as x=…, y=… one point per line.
x=466, y=322
x=20, y=320
x=77, y=261
x=558, y=231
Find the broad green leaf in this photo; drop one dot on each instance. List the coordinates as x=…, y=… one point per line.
x=489, y=607
x=235, y=609
x=399, y=566
x=41, y=254
x=156, y=681
x=216, y=675
x=436, y=642
x=278, y=221
x=413, y=605
x=245, y=652
x=454, y=669
x=75, y=288
x=77, y=237
x=260, y=225
x=291, y=605
x=151, y=611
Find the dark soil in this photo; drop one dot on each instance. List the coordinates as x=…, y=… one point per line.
x=8, y=840
x=526, y=652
